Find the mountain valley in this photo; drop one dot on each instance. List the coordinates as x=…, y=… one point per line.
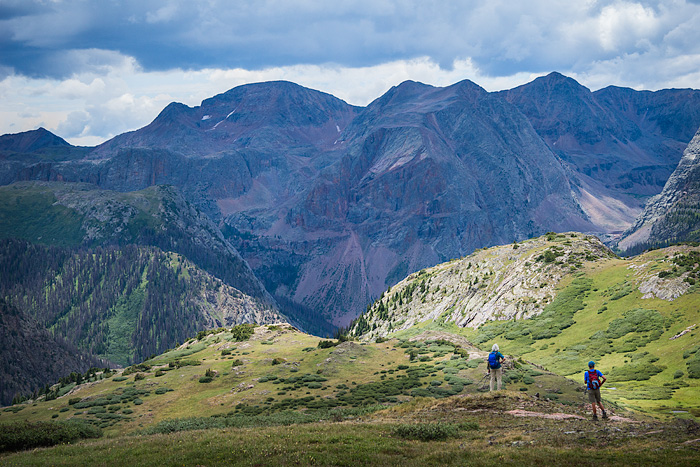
x=431, y=208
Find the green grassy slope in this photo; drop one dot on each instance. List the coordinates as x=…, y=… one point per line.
x=280, y=369
x=622, y=313
x=279, y=399
x=33, y=214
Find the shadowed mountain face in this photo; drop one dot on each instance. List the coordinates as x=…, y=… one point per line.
x=426, y=174
x=674, y=214
x=30, y=141
x=620, y=144
x=32, y=356
x=331, y=203
x=273, y=116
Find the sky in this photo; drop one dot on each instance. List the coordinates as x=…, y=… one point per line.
x=88, y=70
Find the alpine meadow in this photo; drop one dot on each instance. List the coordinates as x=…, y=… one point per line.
x=203, y=262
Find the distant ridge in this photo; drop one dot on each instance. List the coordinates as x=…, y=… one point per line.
x=31, y=141
x=331, y=203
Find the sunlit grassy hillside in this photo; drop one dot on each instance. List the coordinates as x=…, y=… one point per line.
x=636, y=317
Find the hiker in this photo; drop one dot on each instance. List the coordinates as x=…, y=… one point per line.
x=494, y=366
x=594, y=379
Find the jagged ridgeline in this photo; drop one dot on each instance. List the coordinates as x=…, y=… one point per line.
x=561, y=300
x=122, y=304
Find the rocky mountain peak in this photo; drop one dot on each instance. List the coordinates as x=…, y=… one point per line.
x=30, y=141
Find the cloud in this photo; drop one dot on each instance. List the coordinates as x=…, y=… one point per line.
x=500, y=36
x=94, y=69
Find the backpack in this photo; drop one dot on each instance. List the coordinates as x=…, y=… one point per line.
x=593, y=381
x=493, y=361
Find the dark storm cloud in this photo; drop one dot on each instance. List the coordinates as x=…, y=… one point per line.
x=165, y=35
x=40, y=38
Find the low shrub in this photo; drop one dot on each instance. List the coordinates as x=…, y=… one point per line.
x=242, y=332
x=206, y=379
x=29, y=435
x=635, y=372
x=326, y=344
x=426, y=431
x=119, y=378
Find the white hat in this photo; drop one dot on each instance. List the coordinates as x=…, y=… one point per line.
x=494, y=348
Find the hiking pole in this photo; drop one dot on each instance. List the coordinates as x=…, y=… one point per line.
x=482, y=379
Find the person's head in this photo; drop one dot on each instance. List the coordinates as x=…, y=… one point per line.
x=591, y=364
x=494, y=348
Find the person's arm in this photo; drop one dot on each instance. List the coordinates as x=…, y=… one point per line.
x=602, y=378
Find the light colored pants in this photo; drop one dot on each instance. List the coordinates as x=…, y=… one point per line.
x=496, y=375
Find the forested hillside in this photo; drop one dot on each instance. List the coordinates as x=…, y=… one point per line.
x=79, y=214
x=123, y=304
x=31, y=357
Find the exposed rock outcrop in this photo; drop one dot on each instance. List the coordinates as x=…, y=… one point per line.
x=673, y=215
x=499, y=283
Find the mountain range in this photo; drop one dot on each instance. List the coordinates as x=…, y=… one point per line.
x=329, y=203
x=280, y=205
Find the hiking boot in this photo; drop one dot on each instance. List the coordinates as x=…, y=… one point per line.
x=595, y=418
x=605, y=416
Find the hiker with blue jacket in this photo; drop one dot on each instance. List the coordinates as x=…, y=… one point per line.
x=594, y=379
x=494, y=365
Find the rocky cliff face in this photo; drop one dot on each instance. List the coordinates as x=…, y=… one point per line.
x=500, y=283
x=620, y=145
x=673, y=215
x=426, y=174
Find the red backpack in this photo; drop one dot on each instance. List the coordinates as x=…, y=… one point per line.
x=593, y=380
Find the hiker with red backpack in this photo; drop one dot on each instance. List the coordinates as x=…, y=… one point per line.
x=494, y=366
x=594, y=379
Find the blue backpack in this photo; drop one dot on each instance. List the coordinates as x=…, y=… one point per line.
x=493, y=361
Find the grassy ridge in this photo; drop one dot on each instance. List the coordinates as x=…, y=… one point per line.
x=278, y=398
x=636, y=317
x=629, y=337
x=33, y=214
x=279, y=370
x=449, y=433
